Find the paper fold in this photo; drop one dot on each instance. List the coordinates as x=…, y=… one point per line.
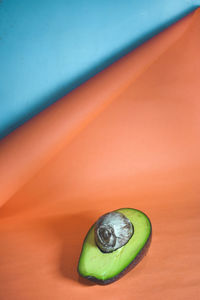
x=25, y=151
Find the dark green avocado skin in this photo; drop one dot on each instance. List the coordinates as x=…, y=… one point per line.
x=132, y=265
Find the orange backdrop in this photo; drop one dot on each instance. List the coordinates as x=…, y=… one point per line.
x=129, y=137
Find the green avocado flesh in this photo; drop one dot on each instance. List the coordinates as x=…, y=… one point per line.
x=104, y=266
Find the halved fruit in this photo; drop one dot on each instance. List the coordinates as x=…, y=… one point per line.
x=104, y=268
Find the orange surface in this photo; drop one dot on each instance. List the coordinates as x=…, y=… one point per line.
x=129, y=137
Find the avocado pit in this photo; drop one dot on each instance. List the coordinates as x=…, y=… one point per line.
x=112, y=231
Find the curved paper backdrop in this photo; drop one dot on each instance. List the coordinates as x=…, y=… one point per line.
x=129, y=137
x=49, y=47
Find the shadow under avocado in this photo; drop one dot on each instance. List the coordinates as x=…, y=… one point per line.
x=71, y=230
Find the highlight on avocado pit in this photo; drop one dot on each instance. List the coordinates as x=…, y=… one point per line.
x=114, y=245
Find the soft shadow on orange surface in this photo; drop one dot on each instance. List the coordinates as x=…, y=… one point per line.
x=85, y=281
x=71, y=230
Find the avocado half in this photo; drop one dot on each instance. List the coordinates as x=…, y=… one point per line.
x=105, y=268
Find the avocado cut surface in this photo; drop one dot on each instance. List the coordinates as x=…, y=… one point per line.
x=104, y=268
